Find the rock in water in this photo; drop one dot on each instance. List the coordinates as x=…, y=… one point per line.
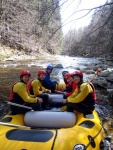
x=58, y=66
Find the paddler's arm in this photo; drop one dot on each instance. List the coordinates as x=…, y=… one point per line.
x=77, y=98
x=36, y=87
x=21, y=91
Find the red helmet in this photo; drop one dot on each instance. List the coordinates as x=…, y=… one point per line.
x=68, y=75
x=77, y=73
x=41, y=72
x=24, y=72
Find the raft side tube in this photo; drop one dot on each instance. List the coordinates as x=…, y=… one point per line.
x=55, y=97
x=50, y=119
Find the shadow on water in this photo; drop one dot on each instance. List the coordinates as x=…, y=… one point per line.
x=10, y=70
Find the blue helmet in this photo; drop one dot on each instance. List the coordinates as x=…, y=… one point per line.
x=50, y=67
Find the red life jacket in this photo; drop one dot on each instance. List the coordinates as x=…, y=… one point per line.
x=65, y=81
x=14, y=97
x=29, y=86
x=94, y=92
x=73, y=87
x=11, y=96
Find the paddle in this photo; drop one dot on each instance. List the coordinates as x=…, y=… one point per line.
x=96, y=73
x=18, y=105
x=14, y=125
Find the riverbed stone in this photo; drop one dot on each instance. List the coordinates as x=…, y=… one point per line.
x=101, y=97
x=59, y=66
x=88, y=71
x=100, y=81
x=110, y=77
x=104, y=73
x=77, y=68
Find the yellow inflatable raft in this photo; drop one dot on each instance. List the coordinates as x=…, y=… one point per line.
x=86, y=134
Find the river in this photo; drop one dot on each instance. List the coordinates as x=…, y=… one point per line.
x=10, y=70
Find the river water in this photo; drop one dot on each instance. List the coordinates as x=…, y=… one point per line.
x=10, y=70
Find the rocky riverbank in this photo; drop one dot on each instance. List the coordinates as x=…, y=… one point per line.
x=103, y=81
x=8, y=54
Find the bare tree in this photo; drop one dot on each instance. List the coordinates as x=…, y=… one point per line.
x=27, y=25
x=96, y=38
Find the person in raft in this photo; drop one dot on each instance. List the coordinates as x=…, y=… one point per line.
x=47, y=82
x=67, y=87
x=64, y=76
x=35, y=87
x=19, y=95
x=70, y=87
x=83, y=98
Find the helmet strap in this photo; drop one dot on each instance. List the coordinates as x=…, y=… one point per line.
x=21, y=80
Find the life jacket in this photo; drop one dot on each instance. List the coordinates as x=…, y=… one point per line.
x=11, y=96
x=90, y=99
x=65, y=81
x=93, y=93
x=29, y=87
x=14, y=97
x=71, y=88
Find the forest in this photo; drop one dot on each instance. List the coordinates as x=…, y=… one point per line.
x=94, y=40
x=29, y=25
x=35, y=26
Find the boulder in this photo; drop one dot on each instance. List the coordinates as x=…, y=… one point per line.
x=100, y=82
x=104, y=73
x=59, y=66
x=110, y=77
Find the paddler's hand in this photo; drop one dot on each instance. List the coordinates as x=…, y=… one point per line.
x=49, y=91
x=63, y=89
x=39, y=100
x=64, y=101
x=65, y=93
x=59, y=92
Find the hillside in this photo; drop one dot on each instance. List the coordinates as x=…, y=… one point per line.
x=30, y=26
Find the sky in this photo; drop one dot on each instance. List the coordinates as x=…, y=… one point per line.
x=70, y=19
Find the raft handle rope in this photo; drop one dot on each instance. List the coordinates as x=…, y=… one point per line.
x=94, y=137
x=54, y=140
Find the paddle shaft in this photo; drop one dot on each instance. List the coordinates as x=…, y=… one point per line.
x=14, y=125
x=18, y=105
x=88, y=82
x=97, y=101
